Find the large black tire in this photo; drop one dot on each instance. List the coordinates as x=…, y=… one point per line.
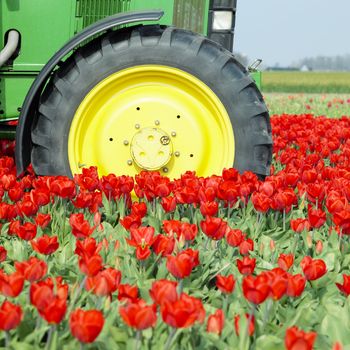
x=185, y=50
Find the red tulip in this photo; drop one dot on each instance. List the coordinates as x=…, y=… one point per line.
x=335, y=202
x=216, y=322
x=317, y=217
x=163, y=245
x=131, y=221
x=172, y=227
x=139, y=315
x=188, y=231
x=299, y=225
x=27, y=231
x=225, y=284
x=139, y=209
x=26, y=207
x=83, y=200
x=126, y=292
x=215, y=228
x=91, y=266
x=345, y=287
x=184, y=312
x=251, y=326
x=43, y=220
x=63, y=187
x=50, y=299
x=10, y=316
x=142, y=239
x=14, y=227
x=88, y=180
x=86, y=325
x=80, y=227
x=278, y=282
x=169, y=204
x=285, y=261
x=296, y=285
x=181, y=265
x=246, y=266
x=342, y=219
x=11, y=285
x=163, y=290
x=209, y=208
x=297, y=339
x=105, y=282
x=313, y=268
x=234, y=237
x=3, y=254
x=246, y=246
x=32, y=270
x=261, y=202
x=255, y=289
x=87, y=247
x=45, y=244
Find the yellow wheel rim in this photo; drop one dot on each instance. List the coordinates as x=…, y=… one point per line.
x=151, y=117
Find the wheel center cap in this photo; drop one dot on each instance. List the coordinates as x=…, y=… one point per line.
x=151, y=148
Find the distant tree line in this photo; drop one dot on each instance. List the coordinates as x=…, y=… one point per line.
x=324, y=63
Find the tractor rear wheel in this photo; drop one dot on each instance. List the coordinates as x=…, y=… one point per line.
x=151, y=98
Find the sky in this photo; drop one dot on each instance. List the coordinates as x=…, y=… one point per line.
x=284, y=31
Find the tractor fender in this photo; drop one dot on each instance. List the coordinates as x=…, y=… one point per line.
x=30, y=105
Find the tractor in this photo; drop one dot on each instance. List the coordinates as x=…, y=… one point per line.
x=129, y=85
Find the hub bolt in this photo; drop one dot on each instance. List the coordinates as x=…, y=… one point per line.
x=137, y=126
x=126, y=142
x=129, y=162
x=177, y=154
x=173, y=134
x=164, y=140
x=165, y=170
x=157, y=122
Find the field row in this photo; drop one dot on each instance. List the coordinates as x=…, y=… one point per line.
x=306, y=82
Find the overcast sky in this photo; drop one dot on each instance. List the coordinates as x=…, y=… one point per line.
x=284, y=31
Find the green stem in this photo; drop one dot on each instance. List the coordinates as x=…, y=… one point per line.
x=267, y=312
x=7, y=340
x=225, y=304
x=76, y=295
x=206, y=243
x=295, y=243
x=49, y=337
x=170, y=339
x=180, y=286
x=138, y=340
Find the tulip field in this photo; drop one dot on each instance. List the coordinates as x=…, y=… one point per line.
x=224, y=262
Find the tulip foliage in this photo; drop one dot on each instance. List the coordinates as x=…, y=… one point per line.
x=227, y=261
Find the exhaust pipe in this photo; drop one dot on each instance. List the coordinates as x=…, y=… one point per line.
x=10, y=47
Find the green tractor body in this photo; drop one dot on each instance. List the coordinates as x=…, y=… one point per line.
x=50, y=31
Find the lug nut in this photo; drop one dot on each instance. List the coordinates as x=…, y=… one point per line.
x=177, y=154
x=157, y=122
x=137, y=126
x=126, y=142
x=165, y=170
x=129, y=162
x=173, y=134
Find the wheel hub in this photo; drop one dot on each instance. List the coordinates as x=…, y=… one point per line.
x=153, y=118
x=151, y=148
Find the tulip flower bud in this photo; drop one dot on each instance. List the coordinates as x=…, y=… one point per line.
x=337, y=346
x=319, y=247
x=272, y=245
x=309, y=241
x=261, y=248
